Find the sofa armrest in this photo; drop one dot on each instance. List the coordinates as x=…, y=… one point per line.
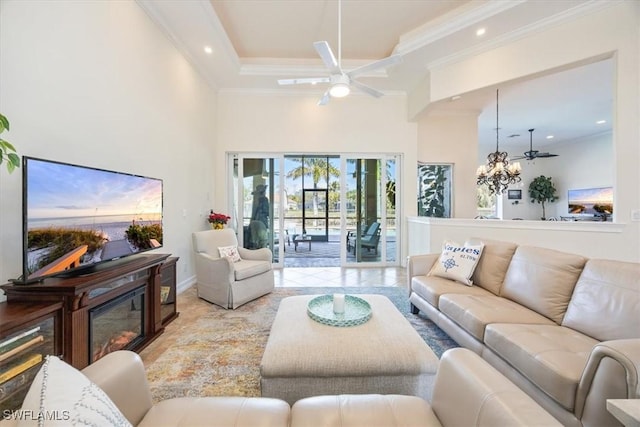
x=467, y=392
x=470, y=392
x=612, y=372
x=262, y=254
x=122, y=377
x=218, y=268
x=419, y=265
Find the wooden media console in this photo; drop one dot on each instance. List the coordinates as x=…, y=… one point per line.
x=143, y=287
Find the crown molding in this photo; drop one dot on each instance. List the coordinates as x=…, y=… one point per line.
x=201, y=12
x=567, y=15
x=300, y=68
x=301, y=92
x=451, y=23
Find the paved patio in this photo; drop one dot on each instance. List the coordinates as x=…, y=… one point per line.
x=327, y=254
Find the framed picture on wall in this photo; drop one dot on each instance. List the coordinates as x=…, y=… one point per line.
x=514, y=194
x=435, y=185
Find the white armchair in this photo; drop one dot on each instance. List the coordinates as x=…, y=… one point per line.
x=224, y=282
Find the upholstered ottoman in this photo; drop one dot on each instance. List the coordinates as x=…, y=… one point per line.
x=305, y=358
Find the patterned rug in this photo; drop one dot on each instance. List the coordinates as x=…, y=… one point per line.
x=210, y=351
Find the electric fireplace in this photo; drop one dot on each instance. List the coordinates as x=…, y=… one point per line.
x=117, y=324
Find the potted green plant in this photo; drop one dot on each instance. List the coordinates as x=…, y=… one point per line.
x=7, y=150
x=542, y=190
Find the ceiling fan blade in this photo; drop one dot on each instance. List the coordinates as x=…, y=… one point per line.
x=546, y=155
x=520, y=158
x=324, y=50
x=382, y=63
x=325, y=99
x=309, y=80
x=367, y=89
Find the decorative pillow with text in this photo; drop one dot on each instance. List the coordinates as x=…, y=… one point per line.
x=457, y=262
x=229, y=252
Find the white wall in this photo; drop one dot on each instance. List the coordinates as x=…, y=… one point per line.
x=611, y=31
x=452, y=137
x=293, y=123
x=615, y=31
x=586, y=163
x=97, y=84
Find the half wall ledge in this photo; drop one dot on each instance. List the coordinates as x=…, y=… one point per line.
x=605, y=240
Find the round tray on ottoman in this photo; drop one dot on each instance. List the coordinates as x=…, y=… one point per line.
x=356, y=311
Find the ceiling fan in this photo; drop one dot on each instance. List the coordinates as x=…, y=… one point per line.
x=341, y=81
x=533, y=154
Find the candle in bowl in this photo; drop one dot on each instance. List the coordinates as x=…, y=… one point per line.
x=338, y=303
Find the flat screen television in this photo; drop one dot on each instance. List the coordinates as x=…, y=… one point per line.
x=77, y=217
x=591, y=201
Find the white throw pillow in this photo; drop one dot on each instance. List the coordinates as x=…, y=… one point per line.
x=457, y=262
x=63, y=396
x=229, y=252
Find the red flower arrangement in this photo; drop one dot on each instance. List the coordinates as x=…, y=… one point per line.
x=218, y=220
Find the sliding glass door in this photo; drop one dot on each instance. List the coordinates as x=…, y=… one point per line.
x=369, y=192
x=329, y=208
x=255, y=198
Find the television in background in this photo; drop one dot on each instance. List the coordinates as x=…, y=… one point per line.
x=591, y=201
x=77, y=217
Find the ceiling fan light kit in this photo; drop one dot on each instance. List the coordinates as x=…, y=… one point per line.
x=339, y=90
x=340, y=86
x=341, y=82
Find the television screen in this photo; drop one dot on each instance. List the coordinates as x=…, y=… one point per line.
x=76, y=217
x=594, y=201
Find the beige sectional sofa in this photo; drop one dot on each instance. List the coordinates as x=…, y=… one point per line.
x=467, y=392
x=564, y=328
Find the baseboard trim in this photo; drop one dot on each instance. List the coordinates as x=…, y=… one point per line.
x=185, y=284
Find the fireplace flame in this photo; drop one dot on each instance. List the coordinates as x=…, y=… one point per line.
x=117, y=341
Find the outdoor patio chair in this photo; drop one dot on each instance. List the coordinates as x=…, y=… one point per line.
x=369, y=239
x=351, y=235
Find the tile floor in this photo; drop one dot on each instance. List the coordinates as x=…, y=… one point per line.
x=340, y=276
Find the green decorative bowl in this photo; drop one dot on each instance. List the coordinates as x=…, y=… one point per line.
x=356, y=311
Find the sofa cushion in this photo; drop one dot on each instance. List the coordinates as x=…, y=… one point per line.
x=351, y=410
x=474, y=312
x=493, y=264
x=551, y=357
x=246, y=268
x=218, y=412
x=457, y=262
x=70, y=397
x=542, y=280
x=606, y=290
x=431, y=288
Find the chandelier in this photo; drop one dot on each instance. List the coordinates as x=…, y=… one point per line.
x=498, y=173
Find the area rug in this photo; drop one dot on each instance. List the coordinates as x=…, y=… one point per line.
x=210, y=351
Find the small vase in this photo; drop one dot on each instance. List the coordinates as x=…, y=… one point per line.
x=217, y=226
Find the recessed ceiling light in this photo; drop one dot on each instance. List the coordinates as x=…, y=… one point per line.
x=601, y=122
x=481, y=31
x=208, y=50
x=455, y=97
x=549, y=136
